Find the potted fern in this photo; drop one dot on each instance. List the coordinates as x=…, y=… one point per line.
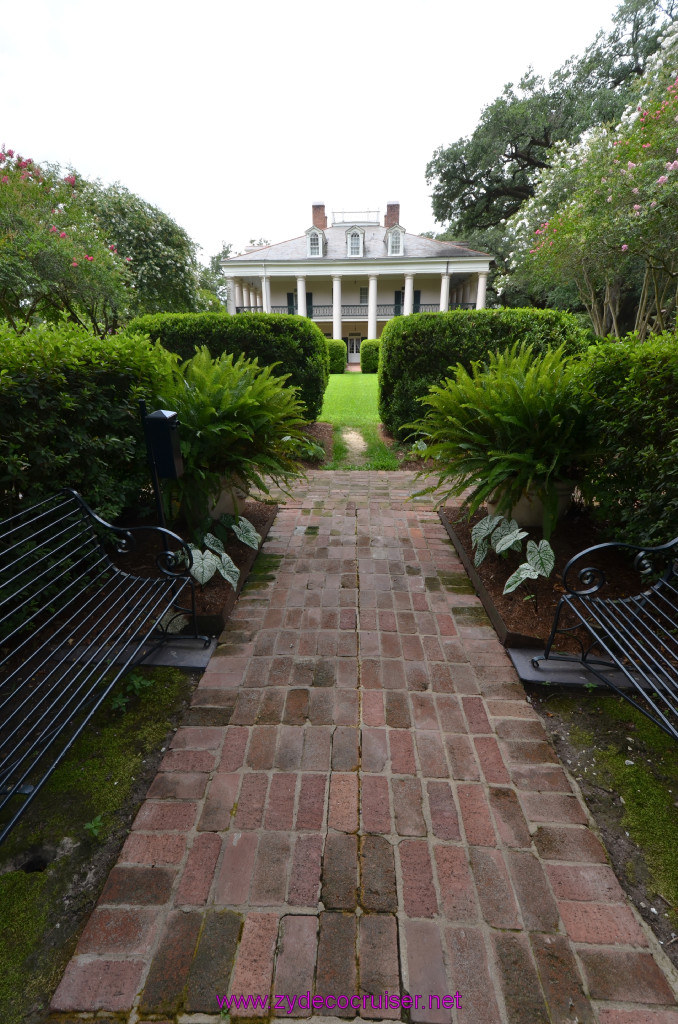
x=241, y=427
x=514, y=430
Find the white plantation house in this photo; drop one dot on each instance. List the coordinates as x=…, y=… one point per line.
x=354, y=275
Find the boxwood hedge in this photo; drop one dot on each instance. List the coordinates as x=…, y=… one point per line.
x=295, y=343
x=417, y=350
x=70, y=414
x=369, y=355
x=633, y=481
x=337, y=350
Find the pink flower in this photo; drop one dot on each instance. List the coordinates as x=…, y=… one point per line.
x=74, y=263
x=630, y=165
x=662, y=180
x=112, y=248
x=5, y=180
x=90, y=258
x=53, y=227
x=646, y=145
x=70, y=179
x=62, y=234
x=128, y=259
x=624, y=248
x=636, y=206
x=10, y=152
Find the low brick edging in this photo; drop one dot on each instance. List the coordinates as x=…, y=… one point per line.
x=381, y=811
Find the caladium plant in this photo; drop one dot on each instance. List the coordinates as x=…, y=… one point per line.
x=502, y=535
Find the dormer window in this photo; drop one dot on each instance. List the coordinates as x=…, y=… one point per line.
x=355, y=241
x=395, y=240
x=315, y=242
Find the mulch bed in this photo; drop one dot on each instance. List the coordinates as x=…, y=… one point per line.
x=215, y=599
x=534, y=617
x=322, y=434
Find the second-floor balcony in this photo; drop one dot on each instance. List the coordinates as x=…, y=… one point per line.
x=357, y=310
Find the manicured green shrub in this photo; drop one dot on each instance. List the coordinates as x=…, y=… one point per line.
x=337, y=351
x=239, y=423
x=418, y=350
x=70, y=415
x=294, y=343
x=634, y=481
x=518, y=424
x=369, y=355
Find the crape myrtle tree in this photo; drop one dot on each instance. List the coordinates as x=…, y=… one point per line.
x=613, y=230
x=94, y=254
x=481, y=181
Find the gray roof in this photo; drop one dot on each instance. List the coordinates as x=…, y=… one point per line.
x=374, y=247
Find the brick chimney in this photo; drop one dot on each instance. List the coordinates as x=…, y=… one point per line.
x=319, y=218
x=392, y=214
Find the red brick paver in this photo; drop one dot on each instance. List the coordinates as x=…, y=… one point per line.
x=382, y=812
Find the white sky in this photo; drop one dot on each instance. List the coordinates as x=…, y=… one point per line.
x=233, y=117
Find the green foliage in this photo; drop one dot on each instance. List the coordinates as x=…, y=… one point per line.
x=70, y=415
x=294, y=343
x=479, y=181
x=369, y=355
x=417, y=351
x=634, y=479
x=517, y=425
x=337, y=351
x=94, y=826
x=239, y=422
x=503, y=535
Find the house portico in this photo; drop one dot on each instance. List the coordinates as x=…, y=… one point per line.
x=354, y=276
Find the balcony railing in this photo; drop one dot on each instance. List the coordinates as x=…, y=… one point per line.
x=385, y=310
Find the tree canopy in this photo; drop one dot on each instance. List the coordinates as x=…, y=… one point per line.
x=96, y=254
x=480, y=181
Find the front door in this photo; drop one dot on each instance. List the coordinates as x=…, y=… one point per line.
x=354, y=348
x=399, y=301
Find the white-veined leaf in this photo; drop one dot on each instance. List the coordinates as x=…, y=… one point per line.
x=205, y=564
x=484, y=528
x=522, y=573
x=510, y=540
x=213, y=543
x=541, y=557
x=481, y=550
x=229, y=570
x=245, y=532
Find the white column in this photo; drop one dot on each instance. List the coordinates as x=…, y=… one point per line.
x=265, y=295
x=482, y=288
x=246, y=296
x=444, y=292
x=336, y=306
x=230, y=300
x=238, y=292
x=301, y=296
x=372, y=307
x=409, y=294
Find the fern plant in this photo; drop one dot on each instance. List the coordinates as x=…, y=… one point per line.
x=237, y=421
x=518, y=424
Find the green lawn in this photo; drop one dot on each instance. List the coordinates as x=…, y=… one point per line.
x=351, y=401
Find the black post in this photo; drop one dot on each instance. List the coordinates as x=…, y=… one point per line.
x=154, y=471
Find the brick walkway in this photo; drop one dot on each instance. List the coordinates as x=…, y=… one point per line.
x=363, y=800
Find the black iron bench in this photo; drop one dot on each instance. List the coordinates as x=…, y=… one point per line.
x=632, y=641
x=71, y=624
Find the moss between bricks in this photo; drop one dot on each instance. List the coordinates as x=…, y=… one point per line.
x=51, y=868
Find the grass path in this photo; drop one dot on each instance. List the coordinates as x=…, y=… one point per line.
x=351, y=404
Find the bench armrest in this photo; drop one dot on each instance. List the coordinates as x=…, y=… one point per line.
x=591, y=579
x=170, y=563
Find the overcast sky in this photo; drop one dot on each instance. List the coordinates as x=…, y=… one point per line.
x=233, y=117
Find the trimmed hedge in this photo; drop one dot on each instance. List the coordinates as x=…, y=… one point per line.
x=70, y=414
x=337, y=351
x=295, y=343
x=418, y=350
x=369, y=355
x=634, y=479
